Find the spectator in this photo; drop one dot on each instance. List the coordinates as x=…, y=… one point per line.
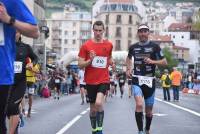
x=176, y=77
x=166, y=83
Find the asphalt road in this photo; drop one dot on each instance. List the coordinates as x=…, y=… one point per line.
x=67, y=116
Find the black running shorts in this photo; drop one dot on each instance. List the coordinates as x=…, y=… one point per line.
x=92, y=90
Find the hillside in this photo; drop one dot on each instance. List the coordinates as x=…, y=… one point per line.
x=57, y=5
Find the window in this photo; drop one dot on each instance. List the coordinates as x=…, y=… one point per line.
x=81, y=16
x=107, y=19
x=130, y=21
x=113, y=7
x=118, y=32
x=129, y=32
x=74, y=32
x=74, y=41
x=66, y=32
x=66, y=41
x=119, y=19
x=107, y=32
x=65, y=50
x=129, y=43
x=151, y=25
x=157, y=25
x=118, y=45
x=125, y=7
x=74, y=24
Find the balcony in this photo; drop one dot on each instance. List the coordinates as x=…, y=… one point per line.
x=56, y=37
x=130, y=35
x=54, y=45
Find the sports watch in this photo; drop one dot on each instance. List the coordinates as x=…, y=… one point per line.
x=11, y=21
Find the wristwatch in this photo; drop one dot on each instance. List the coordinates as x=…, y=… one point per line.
x=11, y=21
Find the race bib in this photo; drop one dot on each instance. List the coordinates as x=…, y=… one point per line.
x=99, y=62
x=31, y=90
x=143, y=80
x=57, y=80
x=18, y=67
x=2, y=41
x=121, y=81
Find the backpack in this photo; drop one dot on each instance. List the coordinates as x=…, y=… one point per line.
x=167, y=80
x=45, y=92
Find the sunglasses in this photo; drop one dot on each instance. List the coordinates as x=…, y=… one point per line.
x=143, y=30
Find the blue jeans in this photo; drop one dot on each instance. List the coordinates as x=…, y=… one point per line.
x=176, y=92
x=63, y=88
x=69, y=88
x=166, y=93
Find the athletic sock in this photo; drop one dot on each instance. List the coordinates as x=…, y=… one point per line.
x=139, y=120
x=148, y=122
x=93, y=120
x=100, y=117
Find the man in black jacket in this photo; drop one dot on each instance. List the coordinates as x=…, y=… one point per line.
x=23, y=51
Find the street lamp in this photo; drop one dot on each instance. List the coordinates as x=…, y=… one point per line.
x=45, y=30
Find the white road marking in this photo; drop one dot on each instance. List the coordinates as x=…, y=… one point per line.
x=159, y=114
x=73, y=121
x=179, y=107
x=84, y=112
x=32, y=111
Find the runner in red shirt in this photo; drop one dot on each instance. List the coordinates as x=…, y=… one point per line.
x=95, y=57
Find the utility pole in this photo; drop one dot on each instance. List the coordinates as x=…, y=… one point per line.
x=45, y=31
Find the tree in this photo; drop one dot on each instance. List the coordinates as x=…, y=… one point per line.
x=196, y=25
x=170, y=60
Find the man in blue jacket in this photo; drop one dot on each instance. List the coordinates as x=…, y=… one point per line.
x=14, y=15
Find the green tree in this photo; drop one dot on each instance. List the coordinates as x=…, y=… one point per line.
x=170, y=60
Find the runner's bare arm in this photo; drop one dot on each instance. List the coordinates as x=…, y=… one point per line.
x=162, y=62
x=82, y=63
x=128, y=66
x=112, y=63
x=24, y=28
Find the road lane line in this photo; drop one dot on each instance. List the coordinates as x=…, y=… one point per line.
x=68, y=125
x=84, y=112
x=179, y=107
x=73, y=121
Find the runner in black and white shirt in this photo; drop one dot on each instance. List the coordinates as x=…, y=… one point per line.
x=82, y=85
x=146, y=56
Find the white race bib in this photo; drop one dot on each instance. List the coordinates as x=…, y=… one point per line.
x=99, y=62
x=31, y=90
x=121, y=81
x=2, y=41
x=57, y=80
x=145, y=80
x=18, y=67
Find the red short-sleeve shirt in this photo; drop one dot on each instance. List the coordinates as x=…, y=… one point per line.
x=97, y=72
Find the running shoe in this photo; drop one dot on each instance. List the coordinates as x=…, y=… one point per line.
x=21, y=120
x=99, y=132
x=141, y=132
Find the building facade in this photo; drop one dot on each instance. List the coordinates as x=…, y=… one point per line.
x=68, y=30
x=37, y=7
x=121, y=20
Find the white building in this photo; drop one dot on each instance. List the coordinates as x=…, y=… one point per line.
x=183, y=39
x=168, y=21
x=37, y=9
x=121, y=19
x=181, y=14
x=68, y=30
